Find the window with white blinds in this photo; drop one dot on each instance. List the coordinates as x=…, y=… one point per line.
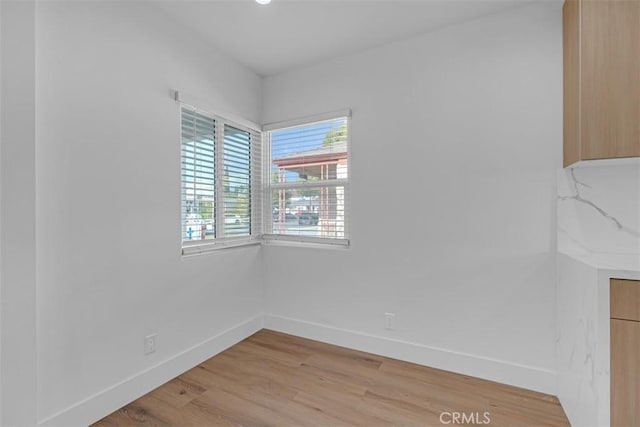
x=308, y=181
x=221, y=167
x=237, y=182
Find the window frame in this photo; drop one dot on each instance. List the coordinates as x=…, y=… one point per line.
x=272, y=238
x=220, y=241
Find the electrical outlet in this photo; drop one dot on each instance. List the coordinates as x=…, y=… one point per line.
x=390, y=320
x=150, y=342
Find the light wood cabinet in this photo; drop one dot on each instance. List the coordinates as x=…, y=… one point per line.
x=601, y=41
x=625, y=299
x=625, y=353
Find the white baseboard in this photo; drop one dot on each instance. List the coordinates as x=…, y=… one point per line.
x=501, y=371
x=107, y=401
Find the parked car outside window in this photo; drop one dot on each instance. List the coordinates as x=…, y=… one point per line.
x=308, y=218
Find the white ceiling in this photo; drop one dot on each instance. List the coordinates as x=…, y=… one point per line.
x=289, y=34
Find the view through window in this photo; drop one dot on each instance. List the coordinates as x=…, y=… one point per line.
x=219, y=164
x=309, y=179
x=198, y=164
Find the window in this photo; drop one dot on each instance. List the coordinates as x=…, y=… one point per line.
x=308, y=179
x=220, y=164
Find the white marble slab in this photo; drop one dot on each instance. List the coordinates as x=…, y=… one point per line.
x=582, y=340
x=621, y=264
x=598, y=239
x=599, y=210
x=576, y=322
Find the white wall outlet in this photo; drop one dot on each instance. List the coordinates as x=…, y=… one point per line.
x=390, y=321
x=150, y=342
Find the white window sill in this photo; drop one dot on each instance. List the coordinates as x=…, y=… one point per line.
x=195, y=249
x=192, y=250
x=308, y=242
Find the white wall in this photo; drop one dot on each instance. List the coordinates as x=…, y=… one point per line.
x=18, y=190
x=108, y=212
x=456, y=138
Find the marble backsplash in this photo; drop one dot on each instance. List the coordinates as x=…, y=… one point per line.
x=598, y=238
x=599, y=208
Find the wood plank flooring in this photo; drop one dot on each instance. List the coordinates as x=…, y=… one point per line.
x=274, y=379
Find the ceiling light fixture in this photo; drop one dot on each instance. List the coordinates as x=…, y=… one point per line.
x=263, y=2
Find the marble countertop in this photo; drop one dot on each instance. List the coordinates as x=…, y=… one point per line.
x=627, y=265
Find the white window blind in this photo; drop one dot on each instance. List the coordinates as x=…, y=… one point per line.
x=308, y=181
x=221, y=178
x=198, y=176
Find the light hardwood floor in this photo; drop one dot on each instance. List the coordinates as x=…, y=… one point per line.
x=277, y=379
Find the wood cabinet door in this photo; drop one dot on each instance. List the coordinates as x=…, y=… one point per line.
x=625, y=373
x=571, y=81
x=625, y=299
x=610, y=79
